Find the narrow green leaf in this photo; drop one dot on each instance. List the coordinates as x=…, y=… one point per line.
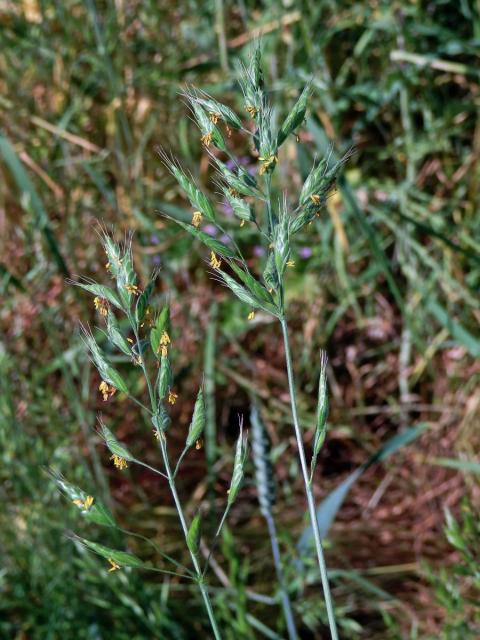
x=30, y=201
x=458, y=332
x=467, y=466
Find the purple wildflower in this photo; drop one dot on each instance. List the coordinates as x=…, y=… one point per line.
x=211, y=229
x=305, y=253
x=258, y=251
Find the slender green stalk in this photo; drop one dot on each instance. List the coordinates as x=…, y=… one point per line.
x=285, y=599
x=176, y=499
x=196, y=564
x=308, y=486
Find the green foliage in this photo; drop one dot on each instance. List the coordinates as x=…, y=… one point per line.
x=457, y=586
x=81, y=113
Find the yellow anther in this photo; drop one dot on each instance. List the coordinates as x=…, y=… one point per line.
x=215, y=262
x=119, y=462
x=197, y=218
x=207, y=139
x=113, y=565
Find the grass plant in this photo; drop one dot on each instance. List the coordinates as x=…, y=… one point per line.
x=252, y=202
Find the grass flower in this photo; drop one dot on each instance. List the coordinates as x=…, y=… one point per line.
x=106, y=390
x=172, y=397
x=197, y=218
x=148, y=348
x=101, y=306
x=114, y=566
x=215, y=262
x=277, y=224
x=119, y=462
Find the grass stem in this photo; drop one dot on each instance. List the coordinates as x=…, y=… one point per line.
x=308, y=487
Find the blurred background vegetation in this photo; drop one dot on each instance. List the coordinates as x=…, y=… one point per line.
x=386, y=280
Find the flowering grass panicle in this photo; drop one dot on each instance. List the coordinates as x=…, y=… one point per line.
x=252, y=202
x=136, y=327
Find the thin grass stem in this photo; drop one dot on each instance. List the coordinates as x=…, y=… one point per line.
x=308, y=487
x=176, y=499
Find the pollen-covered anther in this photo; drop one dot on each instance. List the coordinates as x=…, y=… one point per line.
x=315, y=198
x=113, y=565
x=215, y=262
x=251, y=315
x=106, y=390
x=133, y=289
x=101, y=305
x=84, y=504
x=214, y=117
x=251, y=110
x=119, y=462
x=207, y=139
x=172, y=397
x=165, y=338
x=267, y=162
x=197, y=219
x=291, y=263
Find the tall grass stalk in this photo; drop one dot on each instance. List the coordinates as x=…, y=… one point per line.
x=276, y=223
